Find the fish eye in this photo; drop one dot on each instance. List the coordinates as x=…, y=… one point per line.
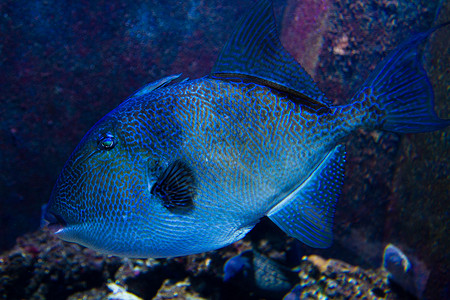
x=106, y=142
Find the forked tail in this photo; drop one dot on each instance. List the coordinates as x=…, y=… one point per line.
x=399, y=87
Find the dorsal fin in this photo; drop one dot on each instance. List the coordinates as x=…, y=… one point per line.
x=308, y=104
x=150, y=87
x=255, y=50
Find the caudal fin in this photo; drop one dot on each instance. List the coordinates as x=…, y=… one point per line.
x=400, y=87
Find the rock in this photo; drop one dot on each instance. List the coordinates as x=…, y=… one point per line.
x=334, y=279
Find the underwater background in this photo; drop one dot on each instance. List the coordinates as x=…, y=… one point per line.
x=64, y=65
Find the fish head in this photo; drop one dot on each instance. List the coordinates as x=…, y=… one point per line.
x=101, y=187
x=128, y=189
x=83, y=191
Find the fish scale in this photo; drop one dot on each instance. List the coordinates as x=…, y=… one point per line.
x=257, y=163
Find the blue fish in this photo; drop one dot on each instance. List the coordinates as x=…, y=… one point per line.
x=401, y=271
x=188, y=166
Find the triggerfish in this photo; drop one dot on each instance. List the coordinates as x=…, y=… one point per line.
x=188, y=166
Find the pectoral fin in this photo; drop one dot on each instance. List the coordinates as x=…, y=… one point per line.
x=175, y=186
x=307, y=213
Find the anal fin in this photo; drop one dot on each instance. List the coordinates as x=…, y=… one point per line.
x=307, y=213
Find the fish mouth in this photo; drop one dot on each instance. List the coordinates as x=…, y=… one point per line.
x=53, y=222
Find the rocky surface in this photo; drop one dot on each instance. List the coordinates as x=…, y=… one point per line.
x=41, y=266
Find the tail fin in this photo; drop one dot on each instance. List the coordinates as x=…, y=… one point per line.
x=401, y=89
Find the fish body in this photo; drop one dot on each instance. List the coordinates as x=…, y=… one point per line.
x=186, y=167
x=243, y=151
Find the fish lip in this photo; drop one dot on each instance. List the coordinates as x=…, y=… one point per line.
x=53, y=222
